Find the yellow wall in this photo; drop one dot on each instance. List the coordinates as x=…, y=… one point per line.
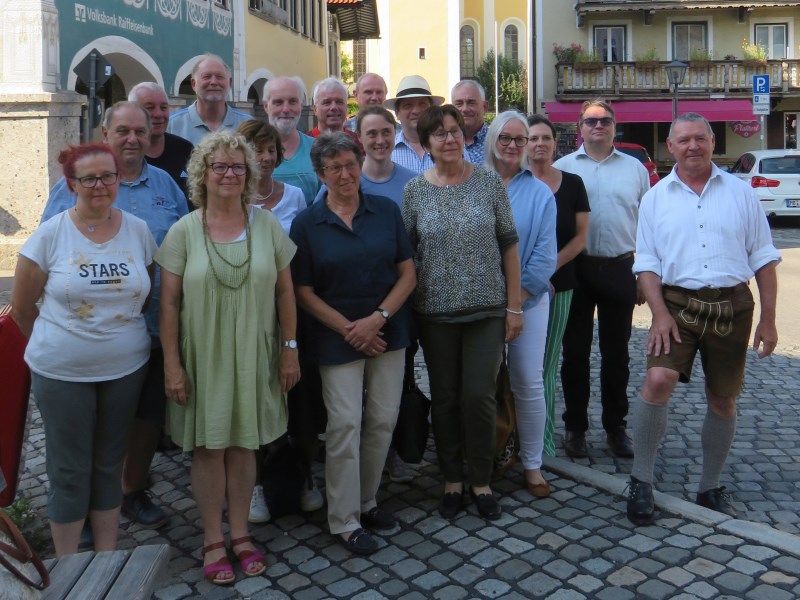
x=282, y=52
x=405, y=27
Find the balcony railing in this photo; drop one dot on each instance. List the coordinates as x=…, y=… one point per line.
x=623, y=78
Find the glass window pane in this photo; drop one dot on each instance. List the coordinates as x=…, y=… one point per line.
x=511, y=45
x=467, y=51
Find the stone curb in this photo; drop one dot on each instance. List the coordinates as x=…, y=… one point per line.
x=758, y=533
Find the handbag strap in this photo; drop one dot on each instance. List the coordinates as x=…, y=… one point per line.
x=21, y=552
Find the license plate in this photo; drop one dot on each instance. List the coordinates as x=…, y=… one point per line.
x=793, y=204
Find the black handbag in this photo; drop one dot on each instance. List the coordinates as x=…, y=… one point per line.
x=411, y=431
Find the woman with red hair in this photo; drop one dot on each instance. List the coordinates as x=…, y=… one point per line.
x=92, y=267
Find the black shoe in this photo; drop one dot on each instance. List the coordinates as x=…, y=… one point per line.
x=641, y=506
x=360, y=542
x=138, y=507
x=488, y=506
x=451, y=504
x=86, y=541
x=619, y=442
x=575, y=444
x=378, y=519
x=717, y=499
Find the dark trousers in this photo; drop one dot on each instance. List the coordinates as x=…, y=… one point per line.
x=609, y=285
x=463, y=360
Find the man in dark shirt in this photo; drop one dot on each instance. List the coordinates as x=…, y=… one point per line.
x=167, y=151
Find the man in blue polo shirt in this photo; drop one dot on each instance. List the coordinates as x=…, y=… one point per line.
x=211, y=81
x=152, y=195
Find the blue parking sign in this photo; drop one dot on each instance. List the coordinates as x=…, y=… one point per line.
x=761, y=84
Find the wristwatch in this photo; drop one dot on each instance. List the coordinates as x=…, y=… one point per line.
x=290, y=344
x=384, y=313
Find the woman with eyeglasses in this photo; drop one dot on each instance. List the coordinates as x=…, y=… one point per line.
x=228, y=321
x=534, y=211
x=572, y=228
x=467, y=304
x=352, y=274
x=92, y=266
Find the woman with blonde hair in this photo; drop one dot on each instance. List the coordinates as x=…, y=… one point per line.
x=228, y=322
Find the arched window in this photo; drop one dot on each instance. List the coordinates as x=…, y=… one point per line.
x=511, y=45
x=467, y=52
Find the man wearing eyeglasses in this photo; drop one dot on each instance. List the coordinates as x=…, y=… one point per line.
x=152, y=195
x=615, y=184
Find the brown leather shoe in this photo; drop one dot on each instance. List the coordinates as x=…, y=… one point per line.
x=619, y=442
x=575, y=444
x=539, y=490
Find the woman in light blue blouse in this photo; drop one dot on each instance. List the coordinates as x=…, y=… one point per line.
x=534, y=209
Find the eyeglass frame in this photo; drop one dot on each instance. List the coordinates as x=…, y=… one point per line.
x=336, y=170
x=95, y=179
x=593, y=122
x=441, y=136
x=215, y=166
x=510, y=139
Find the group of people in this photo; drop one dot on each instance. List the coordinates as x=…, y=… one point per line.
x=313, y=264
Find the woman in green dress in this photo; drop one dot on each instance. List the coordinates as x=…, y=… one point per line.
x=228, y=322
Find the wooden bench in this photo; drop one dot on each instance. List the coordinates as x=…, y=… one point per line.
x=120, y=575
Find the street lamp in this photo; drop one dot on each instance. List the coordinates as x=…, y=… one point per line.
x=676, y=71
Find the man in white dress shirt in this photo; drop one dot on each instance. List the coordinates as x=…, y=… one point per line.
x=615, y=183
x=702, y=236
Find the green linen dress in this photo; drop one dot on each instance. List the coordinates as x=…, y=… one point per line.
x=229, y=338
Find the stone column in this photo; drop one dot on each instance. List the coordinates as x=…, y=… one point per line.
x=37, y=119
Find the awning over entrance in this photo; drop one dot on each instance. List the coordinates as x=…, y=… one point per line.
x=658, y=110
x=358, y=19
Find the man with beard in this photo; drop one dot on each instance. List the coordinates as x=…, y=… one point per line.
x=211, y=81
x=167, y=151
x=283, y=103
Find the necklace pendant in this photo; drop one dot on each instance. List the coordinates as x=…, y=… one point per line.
x=90, y=228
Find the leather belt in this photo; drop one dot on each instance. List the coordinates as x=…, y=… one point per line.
x=625, y=256
x=708, y=293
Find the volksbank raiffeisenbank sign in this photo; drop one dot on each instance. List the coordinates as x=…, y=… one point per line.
x=84, y=13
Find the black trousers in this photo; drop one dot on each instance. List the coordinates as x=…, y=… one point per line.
x=609, y=285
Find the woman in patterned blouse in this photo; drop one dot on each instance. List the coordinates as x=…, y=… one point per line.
x=467, y=304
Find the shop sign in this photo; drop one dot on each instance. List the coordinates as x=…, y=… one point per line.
x=745, y=128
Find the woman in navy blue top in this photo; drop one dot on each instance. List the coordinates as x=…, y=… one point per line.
x=354, y=271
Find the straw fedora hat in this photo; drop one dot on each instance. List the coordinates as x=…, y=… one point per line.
x=413, y=86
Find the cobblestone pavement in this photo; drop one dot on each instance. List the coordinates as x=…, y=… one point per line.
x=576, y=544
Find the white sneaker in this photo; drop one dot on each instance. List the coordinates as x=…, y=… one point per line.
x=259, y=513
x=399, y=471
x=311, y=499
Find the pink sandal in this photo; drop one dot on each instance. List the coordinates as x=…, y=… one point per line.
x=223, y=565
x=248, y=557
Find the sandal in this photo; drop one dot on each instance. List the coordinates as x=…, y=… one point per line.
x=248, y=557
x=223, y=565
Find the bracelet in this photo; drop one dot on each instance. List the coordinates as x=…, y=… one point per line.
x=514, y=312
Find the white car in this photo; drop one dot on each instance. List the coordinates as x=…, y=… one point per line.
x=775, y=175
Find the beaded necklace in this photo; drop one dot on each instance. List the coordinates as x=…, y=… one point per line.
x=244, y=264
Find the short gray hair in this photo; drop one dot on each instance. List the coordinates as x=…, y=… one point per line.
x=109, y=116
x=301, y=88
x=328, y=83
x=133, y=95
x=210, y=56
x=368, y=74
x=472, y=83
x=328, y=145
x=490, y=153
x=691, y=117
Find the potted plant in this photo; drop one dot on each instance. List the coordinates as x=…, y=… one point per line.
x=648, y=59
x=567, y=54
x=755, y=55
x=701, y=56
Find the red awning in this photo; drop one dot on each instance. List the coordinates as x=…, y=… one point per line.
x=658, y=110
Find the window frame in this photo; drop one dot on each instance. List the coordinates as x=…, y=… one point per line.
x=770, y=43
x=673, y=38
x=621, y=57
x=514, y=53
x=466, y=70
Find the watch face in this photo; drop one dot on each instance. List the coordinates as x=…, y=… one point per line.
x=290, y=344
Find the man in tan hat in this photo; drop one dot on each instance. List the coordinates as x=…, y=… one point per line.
x=412, y=99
